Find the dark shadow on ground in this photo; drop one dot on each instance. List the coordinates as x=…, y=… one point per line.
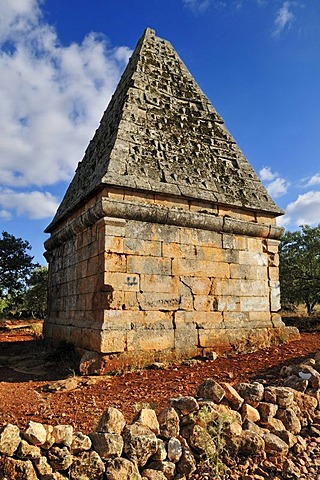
x=30, y=360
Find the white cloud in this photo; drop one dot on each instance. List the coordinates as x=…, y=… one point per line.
x=314, y=180
x=5, y=215
x=35, y=205
x=266, y=174
x=198, y=6
x=305, y=210
x=53, y=96
x=278, y=187
x=274, y=183
x=284, y=17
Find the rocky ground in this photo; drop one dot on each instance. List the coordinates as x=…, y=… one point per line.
x=43, y=387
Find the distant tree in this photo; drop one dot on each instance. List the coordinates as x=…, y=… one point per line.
x=16, y=265
x=35, y=297
x=300, y=268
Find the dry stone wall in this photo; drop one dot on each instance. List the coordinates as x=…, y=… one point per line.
x=250, y=431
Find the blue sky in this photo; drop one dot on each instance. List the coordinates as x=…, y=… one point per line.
x=258, y=61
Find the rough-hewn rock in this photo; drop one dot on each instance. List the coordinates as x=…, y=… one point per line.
x=9, y=439
x=140, y=443
x=112, y=421
x=87, y=465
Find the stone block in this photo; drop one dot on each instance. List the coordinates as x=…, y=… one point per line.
x=171, y=202
x=235, y=320
x=149, y=231
x=203, y=320
x=213, y=338
x=130, y=301
x=177, y=250
x=159, y=283
x=197, y=285
x=113, y=319
x=141, y=197
x=126, y=282
x=273, y=274
x=275, y=296
x=209, y=253
x=195, y=236
x=253, y=258
x=115, y=262
x=113, y=341
x=158, y=301
x=113, y=244
x=199, y=268
x=227, y=303
x=185, y=336
x=150, y=340
x=136, y=246
x=151, y=320
x=256, y=304
x=248, y=272
x=203, y=303
x=148, y=266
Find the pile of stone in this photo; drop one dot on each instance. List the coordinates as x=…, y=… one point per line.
x=259, y=431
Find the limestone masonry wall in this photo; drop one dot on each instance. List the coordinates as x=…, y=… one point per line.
x=132, y=287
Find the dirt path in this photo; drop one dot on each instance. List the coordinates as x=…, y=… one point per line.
x=35, y=386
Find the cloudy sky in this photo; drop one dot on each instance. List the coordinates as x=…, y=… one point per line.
x=258, y=61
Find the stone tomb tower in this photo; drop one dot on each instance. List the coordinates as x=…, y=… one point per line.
x=165, y=244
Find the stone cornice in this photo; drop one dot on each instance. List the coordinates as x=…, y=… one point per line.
x=160, y=214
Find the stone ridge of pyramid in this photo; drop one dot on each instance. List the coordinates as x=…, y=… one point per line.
x=161, y=134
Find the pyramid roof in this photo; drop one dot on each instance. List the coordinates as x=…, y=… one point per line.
x=160, y=133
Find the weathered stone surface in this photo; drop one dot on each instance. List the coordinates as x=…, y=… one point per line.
x=210, y=390
x=112, y=421
x=35, y=433
x=122, y=469
x=185, y=405
x=151, y=474
x=233, y=397
x=282, y=396
x=267, y=411
x=174, y=450
x=161, y=453
x=140, y=443
x=274, y=445
x=199, y=439
x=166, y=467
x=289, y=420
x=27, y=452
x=107, y=445
x=252, y=393
x=80, y=442
x=62, y=434
x=250, y=413
x=169, y=423
x=187, y=464
x=251, y=443
x=86, y=466
x=19, y=469
x=9, y=439
x=148, y=418
x=59, y=458
x=43, y=468
x=274, y=425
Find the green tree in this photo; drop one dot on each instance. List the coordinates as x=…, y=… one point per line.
x=15, y=265
x=300, y=268
x=35, y=298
